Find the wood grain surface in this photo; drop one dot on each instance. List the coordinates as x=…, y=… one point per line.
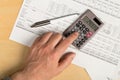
x=12, y=54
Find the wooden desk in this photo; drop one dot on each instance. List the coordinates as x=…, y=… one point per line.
x=12, y=54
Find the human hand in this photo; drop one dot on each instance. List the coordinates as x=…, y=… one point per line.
x=44, y=61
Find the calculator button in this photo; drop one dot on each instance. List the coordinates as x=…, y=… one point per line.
x=82, y=35
x=84, y=31
x=79, y=31
x=80, y=27
x=87, y=29
x=77, y=25
x=75, y=42
x=78, y=45
x=83, y=26
x=80, y=42
x=85, y=38
x=76, y=30
x=73, y=30
x=79, y=37
x=79, y=22
x=89, y=34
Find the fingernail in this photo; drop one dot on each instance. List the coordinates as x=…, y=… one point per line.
x=76, y=33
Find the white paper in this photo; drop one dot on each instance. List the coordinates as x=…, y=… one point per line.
x=100, y=56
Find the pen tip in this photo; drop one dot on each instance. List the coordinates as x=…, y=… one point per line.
x=34, y=25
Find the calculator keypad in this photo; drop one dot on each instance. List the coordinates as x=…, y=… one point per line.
x=84, y=33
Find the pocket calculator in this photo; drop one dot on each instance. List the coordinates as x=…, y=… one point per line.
x=87, y=25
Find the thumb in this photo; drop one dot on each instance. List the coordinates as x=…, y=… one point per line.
x=66, y=60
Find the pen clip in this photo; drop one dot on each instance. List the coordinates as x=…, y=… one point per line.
x=41, y=23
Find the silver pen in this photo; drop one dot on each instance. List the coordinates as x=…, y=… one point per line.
x=46, y=22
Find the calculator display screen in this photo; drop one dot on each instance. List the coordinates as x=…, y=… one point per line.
x=90, y=23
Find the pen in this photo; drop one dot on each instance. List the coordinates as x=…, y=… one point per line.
x=46, y=22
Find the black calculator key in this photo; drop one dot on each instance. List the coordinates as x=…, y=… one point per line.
x=77, y=25
x=84, y=31
x=80, y=22
x=85, y=38
x=78, y=45
x=80, y=27
x=87, y=29
x=83, y=26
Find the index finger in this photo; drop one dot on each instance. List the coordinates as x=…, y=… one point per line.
x=63, y=45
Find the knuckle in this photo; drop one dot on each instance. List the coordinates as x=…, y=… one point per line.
x=53, y=57
x=44, y=50
x=55, y=53
x=46, y=47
